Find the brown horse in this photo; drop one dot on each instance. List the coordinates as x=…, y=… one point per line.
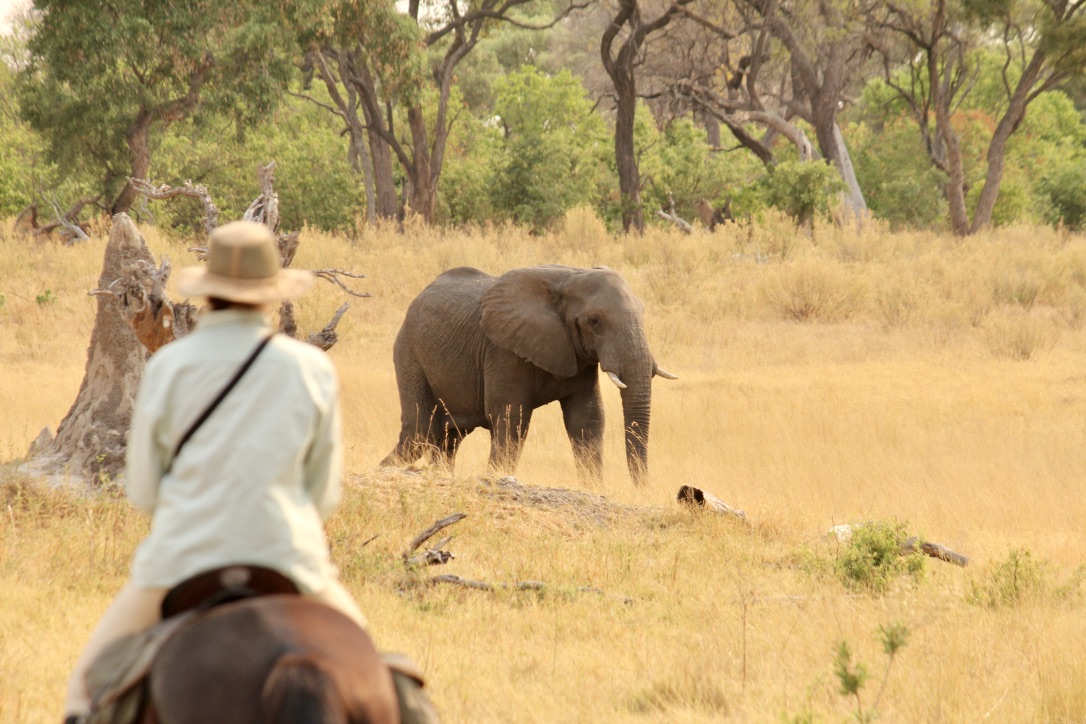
x=279, y=658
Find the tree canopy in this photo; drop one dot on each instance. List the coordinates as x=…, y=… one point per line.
x=102, y=79
x=953, y=114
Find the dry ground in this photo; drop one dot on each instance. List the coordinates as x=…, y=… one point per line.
x=855, y=377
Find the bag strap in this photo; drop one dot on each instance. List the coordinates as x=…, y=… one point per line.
x=221, y=396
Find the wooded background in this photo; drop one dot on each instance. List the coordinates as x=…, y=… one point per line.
x=950, y=114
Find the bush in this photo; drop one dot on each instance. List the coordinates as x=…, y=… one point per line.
x=554, y=150
x=1020, y=336
x=874, y=557
x=1065, y=190
x=802, y=189
x=811, y=290
x=1017, y=578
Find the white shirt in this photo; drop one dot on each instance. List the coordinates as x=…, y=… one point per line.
x=256, y=481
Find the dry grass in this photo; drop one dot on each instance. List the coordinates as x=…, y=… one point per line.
x=930, y=380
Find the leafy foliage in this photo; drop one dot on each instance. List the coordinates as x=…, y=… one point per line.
x=852, y=677
x=1064, y=187
x=801, y=189
x=680, y=167
x=98, y=74
x=873, y=557
x=554, y=149
x=210, y=83
x=1014, y=580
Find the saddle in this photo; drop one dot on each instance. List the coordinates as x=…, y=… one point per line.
x=117, y=679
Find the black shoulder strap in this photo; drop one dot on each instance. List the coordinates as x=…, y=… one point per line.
x=221, y=396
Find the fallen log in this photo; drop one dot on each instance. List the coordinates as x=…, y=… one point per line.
x=912, y=544
x=691, y=496
x=933, y=550
x=431, y=556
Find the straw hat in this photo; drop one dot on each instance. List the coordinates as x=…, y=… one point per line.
x=243, y=266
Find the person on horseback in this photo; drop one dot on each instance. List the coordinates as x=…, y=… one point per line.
x=256, y=480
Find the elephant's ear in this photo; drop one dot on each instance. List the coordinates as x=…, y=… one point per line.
x=520, y=313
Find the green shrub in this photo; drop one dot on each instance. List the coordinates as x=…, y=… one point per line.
x=1017, y=578
x=874, y=557
x=802, y=189
x=1065, y=190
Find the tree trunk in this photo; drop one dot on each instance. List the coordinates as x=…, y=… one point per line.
x=90, y=440
x=141, y=160
x=712, y=128
x=423, y=193
x=358, y=154
x=955, y=186
x=629, y=177
x=857, y=204
x=832, y=145
x=387, y=204
x=940, y=103
x=997, y=147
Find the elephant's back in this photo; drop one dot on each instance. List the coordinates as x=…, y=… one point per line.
x=454, y=295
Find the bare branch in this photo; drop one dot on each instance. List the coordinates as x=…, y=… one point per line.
x=457, y=580
x=75, y=232
x=483, y=14
x=432, y=531
x=199, y=191
x=265, y=208
x=675, y=218
x=332, y=275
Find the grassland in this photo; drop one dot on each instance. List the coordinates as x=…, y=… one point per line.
x=847, y=377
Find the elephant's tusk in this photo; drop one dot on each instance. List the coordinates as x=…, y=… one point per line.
x=618, y=382
x=665, y=374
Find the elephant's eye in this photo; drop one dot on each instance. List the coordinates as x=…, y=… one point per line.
x=594, y=320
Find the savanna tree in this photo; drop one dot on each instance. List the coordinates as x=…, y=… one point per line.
x=780, y=67
x=103, y=79
x=621, y=51
x=940, y=46
x=396, y=66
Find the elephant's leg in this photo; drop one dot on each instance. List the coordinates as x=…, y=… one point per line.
x=508, y=427
x=411, y=446
x=583, y=416
x=421, y=416
x=448, y=442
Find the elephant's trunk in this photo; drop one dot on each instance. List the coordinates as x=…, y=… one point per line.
x=634, y=367
x=635, y=418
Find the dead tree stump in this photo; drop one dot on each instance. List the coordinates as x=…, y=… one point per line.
x=90, y=440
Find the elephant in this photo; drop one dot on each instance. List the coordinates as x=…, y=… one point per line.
x=478, y=351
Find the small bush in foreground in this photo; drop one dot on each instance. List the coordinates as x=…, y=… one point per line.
x=852, y=678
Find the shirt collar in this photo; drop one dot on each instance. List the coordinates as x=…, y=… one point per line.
x=241, y=317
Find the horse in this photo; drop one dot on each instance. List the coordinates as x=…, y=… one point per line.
x=270, y=659
x=248, y=656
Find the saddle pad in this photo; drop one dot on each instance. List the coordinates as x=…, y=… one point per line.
x=121, y=667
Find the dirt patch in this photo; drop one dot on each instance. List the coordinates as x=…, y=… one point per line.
x=585, y=508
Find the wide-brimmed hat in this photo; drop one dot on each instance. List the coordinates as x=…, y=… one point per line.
x=243, y=266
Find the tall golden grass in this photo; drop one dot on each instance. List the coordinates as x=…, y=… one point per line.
x=851, y=375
